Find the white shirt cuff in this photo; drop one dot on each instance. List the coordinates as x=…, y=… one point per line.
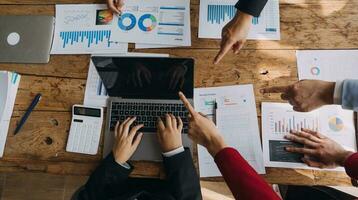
x=174, y=152
x=337, y=98
x=125, y=165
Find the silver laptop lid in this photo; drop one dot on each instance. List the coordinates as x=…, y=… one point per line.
x=26, y=39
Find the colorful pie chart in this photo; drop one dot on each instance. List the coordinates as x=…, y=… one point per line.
x=315, y=71
x=144, y=25
x=127, y=22
x=336, y=124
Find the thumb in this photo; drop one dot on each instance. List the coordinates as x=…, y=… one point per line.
x=225, y=47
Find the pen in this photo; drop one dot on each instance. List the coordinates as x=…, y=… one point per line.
x=215, y=111
x=28, y=112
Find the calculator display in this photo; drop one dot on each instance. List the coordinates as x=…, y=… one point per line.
x=92, y=112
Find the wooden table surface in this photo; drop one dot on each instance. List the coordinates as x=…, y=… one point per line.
x=305, y=24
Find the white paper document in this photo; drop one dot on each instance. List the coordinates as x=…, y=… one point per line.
x=96, y=94
x=155, y=22
x=279, y=118
x=9, y=84
x=215, y=14
x=236, y=118
x=327, y=65
x=85, y=29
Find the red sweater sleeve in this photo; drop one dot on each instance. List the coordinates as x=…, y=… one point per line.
x=351, y=166
x=242, y=179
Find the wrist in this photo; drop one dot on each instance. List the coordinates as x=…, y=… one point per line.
x=343, y=157
x=216, y=146
x=329, y=92
x=243, y=17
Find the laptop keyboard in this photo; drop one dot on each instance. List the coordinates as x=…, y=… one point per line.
x=146, y=113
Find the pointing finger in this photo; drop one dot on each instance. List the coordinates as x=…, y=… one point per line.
x=187, y=104
x=227, y=45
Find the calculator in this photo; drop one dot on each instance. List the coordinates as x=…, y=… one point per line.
x=85, y=132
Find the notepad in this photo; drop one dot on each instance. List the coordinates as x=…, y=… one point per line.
x=9, y=84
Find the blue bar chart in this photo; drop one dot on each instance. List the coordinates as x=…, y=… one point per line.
x=89, y=38
x=220, y=13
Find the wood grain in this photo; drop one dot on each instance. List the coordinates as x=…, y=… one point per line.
x=305, y=24
x=314, y=28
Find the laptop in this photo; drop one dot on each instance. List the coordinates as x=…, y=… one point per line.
x=26, y=39
x=146, y=88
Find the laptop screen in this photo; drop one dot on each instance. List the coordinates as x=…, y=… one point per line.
x=146, y=78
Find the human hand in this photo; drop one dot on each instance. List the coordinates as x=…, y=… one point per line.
x=305, y=95
x=176, y=76
x=202, y=130
x=125, y=141
x=319, y=151
x=137, y=73
x=115, y=6
x=234, y=35
x=169, y=133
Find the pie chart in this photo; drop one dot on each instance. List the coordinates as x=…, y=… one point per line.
x=147, y=22
x=127, y=22
x=336, y=124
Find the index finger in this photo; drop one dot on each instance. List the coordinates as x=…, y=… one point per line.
x=276, y=89
x=187, y=104
x=223, y=51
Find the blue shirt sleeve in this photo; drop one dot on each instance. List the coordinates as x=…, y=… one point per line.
x=350, y=94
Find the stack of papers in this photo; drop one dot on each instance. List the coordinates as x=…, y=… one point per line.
x=92, y=28
x=236, y=118
x=9, y=83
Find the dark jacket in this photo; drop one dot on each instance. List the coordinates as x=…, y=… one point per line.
x=111, y=181
x=252, y=7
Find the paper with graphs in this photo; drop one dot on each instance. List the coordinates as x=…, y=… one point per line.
x=85, y=29
x=215, y=14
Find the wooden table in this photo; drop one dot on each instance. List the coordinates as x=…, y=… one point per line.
x=305, y=24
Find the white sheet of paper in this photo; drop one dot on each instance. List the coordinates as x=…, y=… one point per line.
x=237, y=122
x=153, y=46
x=215, y=14
x=85, y=29
x=279, y=118
x=8, y=89
x=328, y=65
x=95, y=94
x=155, y=22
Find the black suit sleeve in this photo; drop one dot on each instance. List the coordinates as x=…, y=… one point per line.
x=252, y=7
x=182, y=178
x=106, y=181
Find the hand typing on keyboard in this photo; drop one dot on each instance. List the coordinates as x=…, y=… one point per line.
x=126, y=141
x=169, y=132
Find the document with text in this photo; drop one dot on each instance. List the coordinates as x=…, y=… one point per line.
x=236, y=118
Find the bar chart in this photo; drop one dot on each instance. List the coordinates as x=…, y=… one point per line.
x=89, y=38
x=282, y=124
x=215, y=14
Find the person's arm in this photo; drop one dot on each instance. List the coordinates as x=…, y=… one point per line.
x=243, y=181
x=241, y=178
x=182, y=178
x=251, y=7
x=234, y=33
x=351, y=166
x=346, y=94
x=108, y=179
